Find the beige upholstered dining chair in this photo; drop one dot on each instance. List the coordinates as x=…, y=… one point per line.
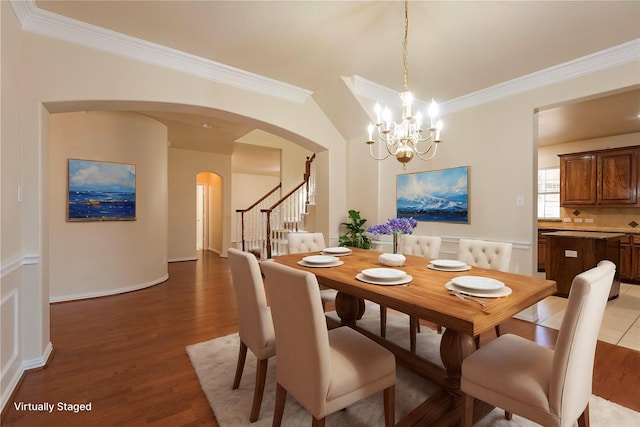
x=485, y=254
x=255, y=326
x=325, y=371
x=426, y=247
x=549, y=387
x=300, y=242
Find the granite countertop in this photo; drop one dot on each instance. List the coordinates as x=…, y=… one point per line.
x=560, y=227
x=585, y=234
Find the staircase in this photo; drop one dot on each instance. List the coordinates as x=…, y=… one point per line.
x=263, y=227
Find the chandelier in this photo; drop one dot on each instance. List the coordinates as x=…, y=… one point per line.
x=406, y=139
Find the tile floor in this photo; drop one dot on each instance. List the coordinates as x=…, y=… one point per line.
x=621, y=322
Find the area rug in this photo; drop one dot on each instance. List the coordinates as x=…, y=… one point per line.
x=215, y=361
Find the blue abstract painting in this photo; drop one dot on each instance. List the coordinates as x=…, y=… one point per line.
x=101, y=191
x=441, y=195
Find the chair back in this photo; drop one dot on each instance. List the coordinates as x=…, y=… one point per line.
x=572, y=375
x=424, y=246
x=255, y=325
x=485, y=254
x=305, y=242
x=302, y=340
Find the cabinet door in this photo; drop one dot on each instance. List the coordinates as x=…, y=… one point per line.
x=625, y=267
x=635, y=258
x=618, y=177
x=578, y=179
x=542, y=254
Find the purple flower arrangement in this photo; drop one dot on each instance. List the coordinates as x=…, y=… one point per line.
x=395, y=226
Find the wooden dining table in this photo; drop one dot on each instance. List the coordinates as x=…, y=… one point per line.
x=426, y=297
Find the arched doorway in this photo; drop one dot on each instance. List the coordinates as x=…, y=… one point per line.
x=209, y=212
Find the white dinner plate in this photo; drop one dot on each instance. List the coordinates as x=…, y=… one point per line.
x=308, y=264
x=402, y=281
x=448, y=263
x=499, y=293
x=464, y=268
x=384, y=274
x=477, y=283
x=319, y=259
x=337, y=250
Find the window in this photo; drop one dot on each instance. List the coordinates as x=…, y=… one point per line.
x=549, y=193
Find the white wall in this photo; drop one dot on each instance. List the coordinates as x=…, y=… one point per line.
x=24, y=294
x=215, y=202
x=90, y=259
x=184, y=166
x=292, y=160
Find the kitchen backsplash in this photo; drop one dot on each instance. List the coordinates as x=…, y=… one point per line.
x=626, y=220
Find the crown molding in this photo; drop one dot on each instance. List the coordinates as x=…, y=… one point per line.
x=45, y=23
x=598, y=61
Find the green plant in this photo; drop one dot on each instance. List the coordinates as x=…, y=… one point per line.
x=356, y=234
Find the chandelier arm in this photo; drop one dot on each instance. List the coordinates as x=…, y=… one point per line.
x=392, y=148
x=434, y=146
x=429, y=147
x=378, y=158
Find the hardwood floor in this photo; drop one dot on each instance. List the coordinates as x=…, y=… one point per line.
x=125, y=354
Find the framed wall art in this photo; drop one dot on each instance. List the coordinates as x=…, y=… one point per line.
x=101, y=191
x=440, y=196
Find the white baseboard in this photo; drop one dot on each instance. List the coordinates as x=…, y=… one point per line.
x=183, y=259
x=110, y=291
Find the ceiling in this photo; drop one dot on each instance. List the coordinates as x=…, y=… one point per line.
x=455, y=48
x=607, y=115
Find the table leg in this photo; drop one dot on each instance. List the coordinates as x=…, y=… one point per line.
x=349, y=308
x=454, y=347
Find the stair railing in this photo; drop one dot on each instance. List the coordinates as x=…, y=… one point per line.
x=249, y=222
x=287, y=214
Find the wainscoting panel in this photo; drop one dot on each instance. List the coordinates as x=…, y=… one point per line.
x=10, y=348
x=9, y=321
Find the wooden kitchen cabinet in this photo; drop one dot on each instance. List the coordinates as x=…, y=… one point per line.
x=578, y=179
x=618, y=177
x=600, y=178
x=570, y=253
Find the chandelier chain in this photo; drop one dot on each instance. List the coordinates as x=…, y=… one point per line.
x=405, y=46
